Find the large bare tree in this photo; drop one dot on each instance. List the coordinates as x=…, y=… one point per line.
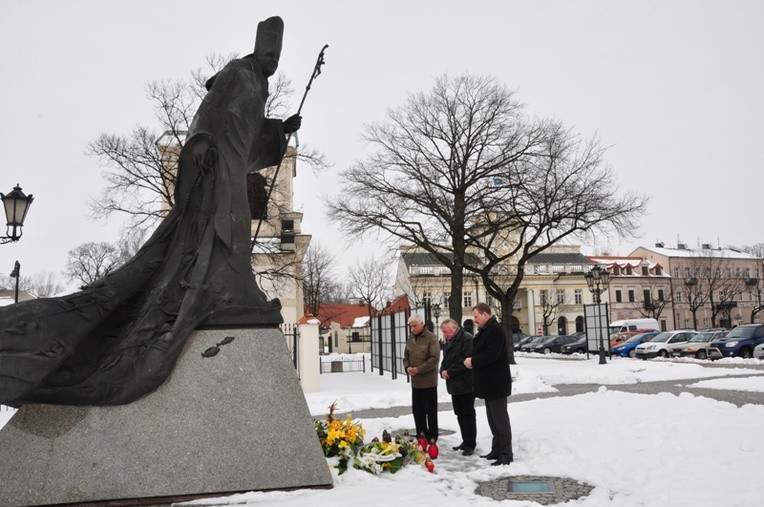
x=434, y=154
x=460, y=169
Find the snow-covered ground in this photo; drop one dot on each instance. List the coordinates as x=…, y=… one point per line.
x=635, y=449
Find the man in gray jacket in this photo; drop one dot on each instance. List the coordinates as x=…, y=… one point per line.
x=421, y=359
x=459, y=380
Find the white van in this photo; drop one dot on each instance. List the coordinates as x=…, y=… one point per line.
x=626, y=325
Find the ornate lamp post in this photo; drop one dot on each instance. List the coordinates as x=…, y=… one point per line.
x=436, y=314
x=16, y=205
x=597, y=279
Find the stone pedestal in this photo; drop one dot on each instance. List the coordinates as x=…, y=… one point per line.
x=231, y=422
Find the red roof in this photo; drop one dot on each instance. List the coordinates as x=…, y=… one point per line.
x=399, y=304
x=342, y=314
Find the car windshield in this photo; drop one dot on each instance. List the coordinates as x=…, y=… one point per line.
x=636, y=338
x=702, y=337
x=741, y=332
x=662, y=337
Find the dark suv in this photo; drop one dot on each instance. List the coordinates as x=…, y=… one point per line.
x=738, y=342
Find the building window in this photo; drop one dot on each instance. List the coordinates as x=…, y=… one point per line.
x=629, y=271
x=618, y=296
x=467, y=299
x=544, y=296
x=446, y=298
x=616, y=270
x=578, y=295
x=645, y=270
x=664, y=327
x=427, y=298
x=676, y=272
x=678, y=297
x=661, y=295
x=658, y=270
x=631, y=296
x=646, y=295
x=561, y=297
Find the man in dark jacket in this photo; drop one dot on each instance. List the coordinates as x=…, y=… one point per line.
x=421, y=362
x=493, y=381
x=459, y=381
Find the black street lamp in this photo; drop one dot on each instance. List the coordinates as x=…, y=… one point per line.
x=436, y=314
x=16, y=205
x=598, y=279
x=16, y=273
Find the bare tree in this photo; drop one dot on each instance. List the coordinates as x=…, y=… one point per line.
x=550, y=304
x=434, y=155
x=653, y=300
x=756, y=286
x=460, y=170
x=91, y=261
x=41, y=284
x=369, y=281
x=317, y=277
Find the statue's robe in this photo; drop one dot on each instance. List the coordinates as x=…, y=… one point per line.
x=119, y=338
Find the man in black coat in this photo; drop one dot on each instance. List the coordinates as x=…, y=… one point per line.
x=493, y=381
x=459, y=381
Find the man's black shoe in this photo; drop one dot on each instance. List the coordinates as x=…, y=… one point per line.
x=468, y=451
x=491, y=455
x=501, y=461
x=459, y=447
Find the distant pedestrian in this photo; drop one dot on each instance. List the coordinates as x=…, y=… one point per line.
x=493, y=381
x=459, y=382
x=421, y=359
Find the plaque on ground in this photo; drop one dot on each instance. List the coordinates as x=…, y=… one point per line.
x=230, y=418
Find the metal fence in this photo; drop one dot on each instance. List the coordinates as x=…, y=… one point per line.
x=292, y=335
x=388, y=342
x=342, y=365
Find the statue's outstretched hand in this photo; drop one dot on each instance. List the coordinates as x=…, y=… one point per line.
x=292, y=124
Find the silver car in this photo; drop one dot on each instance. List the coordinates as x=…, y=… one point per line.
x=699, y=346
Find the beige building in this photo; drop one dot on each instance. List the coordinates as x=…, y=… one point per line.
x=709, y=287
x=550, y=300
x=638, y=288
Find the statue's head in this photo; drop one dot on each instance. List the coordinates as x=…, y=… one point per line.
x=268, y=44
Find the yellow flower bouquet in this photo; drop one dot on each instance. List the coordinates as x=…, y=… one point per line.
x=339, y=437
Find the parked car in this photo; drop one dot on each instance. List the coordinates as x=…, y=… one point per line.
x=625, y=335
x=621, y=326
x=533, y=341
x=758, y=351
x=517, y=338
x=659, y=345
x=524, y=341
x=580, y=346
x=700, y=345
x=629, y=347
x=739, y=342
x=553, y=344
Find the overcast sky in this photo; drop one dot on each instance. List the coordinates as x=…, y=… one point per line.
x=673, y=87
